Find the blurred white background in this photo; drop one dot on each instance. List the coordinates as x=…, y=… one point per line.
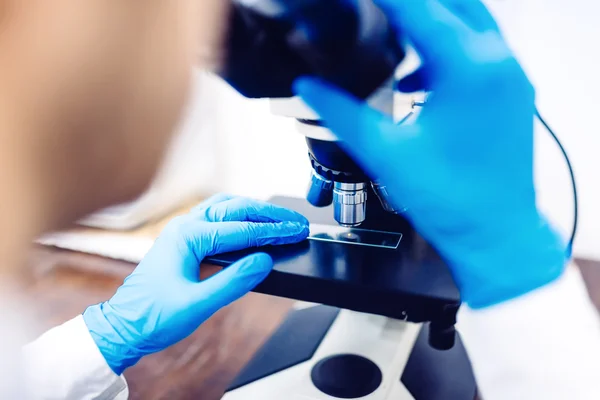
x=556, y=42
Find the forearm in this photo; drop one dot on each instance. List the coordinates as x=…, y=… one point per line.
x=65, y=363
x=542, y=345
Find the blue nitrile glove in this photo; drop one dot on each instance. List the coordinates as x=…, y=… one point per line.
x=163, y=301
x=465, y=167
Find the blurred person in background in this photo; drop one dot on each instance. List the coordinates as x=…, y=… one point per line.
x=90, y=94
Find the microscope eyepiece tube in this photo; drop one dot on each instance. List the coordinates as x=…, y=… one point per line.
x=349, y=203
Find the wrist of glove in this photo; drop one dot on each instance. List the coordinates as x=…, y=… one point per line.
x=502, y=262
x=110, y=333
x=163, y=301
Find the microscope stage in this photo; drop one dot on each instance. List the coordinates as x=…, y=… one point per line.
x=409, y=282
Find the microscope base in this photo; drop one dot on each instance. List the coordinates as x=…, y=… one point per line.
x=322, y=352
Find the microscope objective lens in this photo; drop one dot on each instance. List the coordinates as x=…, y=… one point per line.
x=349, y=203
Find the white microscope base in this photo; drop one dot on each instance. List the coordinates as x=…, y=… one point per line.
x=386, y=342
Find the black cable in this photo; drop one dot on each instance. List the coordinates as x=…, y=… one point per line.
x=574, y=185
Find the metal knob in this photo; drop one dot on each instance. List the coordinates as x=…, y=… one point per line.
x=320, y=191
x=385, y=199
x=349, y=203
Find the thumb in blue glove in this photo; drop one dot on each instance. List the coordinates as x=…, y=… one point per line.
x=163, y=300
x=464, y=169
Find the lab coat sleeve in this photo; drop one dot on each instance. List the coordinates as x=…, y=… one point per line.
x=65, y=363
x=544, y=345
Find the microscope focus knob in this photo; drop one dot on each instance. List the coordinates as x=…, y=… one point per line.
x=320, y=191
x=382, y=192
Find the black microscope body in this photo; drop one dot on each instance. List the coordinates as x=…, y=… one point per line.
x=352, y=45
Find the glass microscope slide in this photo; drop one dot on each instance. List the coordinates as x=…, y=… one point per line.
x=355, y=236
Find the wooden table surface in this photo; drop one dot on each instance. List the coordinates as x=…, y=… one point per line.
x=201, y=366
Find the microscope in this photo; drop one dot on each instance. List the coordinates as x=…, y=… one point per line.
x=377, y=305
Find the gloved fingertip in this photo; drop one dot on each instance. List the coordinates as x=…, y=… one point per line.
x=304, y=231
x=298, y=226
x=304, y=220
x=257, y=265
x=308, y=86
x=293, y=216
x=328, y=102
x=234, y=281
x=292, y=232
x=257, y=260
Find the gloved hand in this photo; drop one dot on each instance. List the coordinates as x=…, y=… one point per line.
x=465, y=167
x=163, y=301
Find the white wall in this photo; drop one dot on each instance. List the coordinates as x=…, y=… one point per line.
x=556, y=40
x=557, y=43
x=261, y=154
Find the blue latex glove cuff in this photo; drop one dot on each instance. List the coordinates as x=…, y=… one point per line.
x=118, y=354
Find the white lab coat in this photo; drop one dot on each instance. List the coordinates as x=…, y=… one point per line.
x=545, y=345
x=65, y=363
